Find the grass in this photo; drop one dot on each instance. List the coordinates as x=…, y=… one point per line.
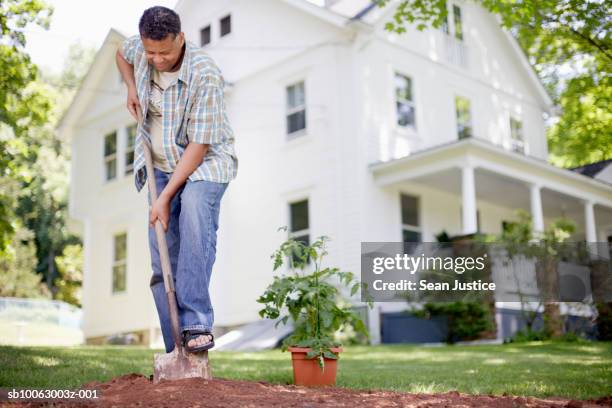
x=541, y=369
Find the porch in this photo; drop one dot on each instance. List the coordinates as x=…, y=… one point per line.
x=480, y=173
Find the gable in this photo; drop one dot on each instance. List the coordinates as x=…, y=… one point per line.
x=99, y=89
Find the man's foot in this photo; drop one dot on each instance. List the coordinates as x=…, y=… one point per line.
x=197, y=340
x=200, y=341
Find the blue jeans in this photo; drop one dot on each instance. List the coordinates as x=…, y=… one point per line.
x=192, y=246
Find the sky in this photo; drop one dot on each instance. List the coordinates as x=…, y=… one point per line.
x=87, y=22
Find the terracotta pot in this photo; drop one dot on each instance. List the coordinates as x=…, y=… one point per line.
x=307, y=371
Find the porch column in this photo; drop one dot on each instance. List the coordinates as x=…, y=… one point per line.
x=589, y=222
x=468, y=197
x=537, y=214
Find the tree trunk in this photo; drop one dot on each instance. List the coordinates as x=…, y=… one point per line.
x=553, y=323
x=548, y=284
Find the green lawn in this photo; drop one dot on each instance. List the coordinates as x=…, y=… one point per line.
x=577, y=370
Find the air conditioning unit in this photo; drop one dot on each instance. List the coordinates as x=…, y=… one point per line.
x=574, y=282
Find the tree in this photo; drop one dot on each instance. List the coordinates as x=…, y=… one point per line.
x=17, y=276
x=22, y=105
x=569, y=44
x=43, y=203
x=70, y=266
x=546, y=249
x=34, y=170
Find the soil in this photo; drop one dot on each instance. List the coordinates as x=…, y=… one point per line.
x=135, y=390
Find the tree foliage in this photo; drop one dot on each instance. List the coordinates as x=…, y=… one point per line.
x=22, y=104
x=16, y=268
x=35, y=169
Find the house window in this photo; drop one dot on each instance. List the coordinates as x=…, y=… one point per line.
x=456, y=28
x=119, y=262
x=464, y=117
x=455, y=50
x=516, y=135
x=404, y=101
x=296, y=108
x=226, y=25
x=411, y=228
x=129, y=148
x=110, y=155
x=458, y=22
x=205, y=36
x=444, y=11
x=300, y=224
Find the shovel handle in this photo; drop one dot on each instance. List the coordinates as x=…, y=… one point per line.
x=163, y=250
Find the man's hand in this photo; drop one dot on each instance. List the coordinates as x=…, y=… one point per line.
x=161, y=211
x=133, y=104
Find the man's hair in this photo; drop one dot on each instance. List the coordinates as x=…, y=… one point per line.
x=157, y=22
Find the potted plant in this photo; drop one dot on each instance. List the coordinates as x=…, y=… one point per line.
x=313, y=303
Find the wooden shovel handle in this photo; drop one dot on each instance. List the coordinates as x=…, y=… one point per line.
x=163, y=250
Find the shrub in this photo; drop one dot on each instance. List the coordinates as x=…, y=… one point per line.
x=466, y=320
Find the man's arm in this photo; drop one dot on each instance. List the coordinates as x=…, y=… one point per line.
x=190, y=160
x=126, y=69
x=127, y=72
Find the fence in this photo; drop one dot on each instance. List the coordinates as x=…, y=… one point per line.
x=39, y=322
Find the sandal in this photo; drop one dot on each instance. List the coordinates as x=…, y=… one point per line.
x=189, y=335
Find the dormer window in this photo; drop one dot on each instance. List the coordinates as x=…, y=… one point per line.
x=226, y=25
x=205, y=36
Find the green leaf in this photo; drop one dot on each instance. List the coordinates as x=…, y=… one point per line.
x=355, y=288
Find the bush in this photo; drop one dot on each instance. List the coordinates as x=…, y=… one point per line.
x=572, y=337
x=466, y=320
x=526, y=335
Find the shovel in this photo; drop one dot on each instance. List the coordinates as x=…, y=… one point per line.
x=178, y=363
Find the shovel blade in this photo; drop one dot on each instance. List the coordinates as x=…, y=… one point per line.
x=177, y=365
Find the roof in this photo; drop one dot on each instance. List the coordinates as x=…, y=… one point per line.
x=592, y=169
x=530, y=162
x=364, y=11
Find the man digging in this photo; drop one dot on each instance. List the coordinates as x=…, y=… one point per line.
x=175, y=92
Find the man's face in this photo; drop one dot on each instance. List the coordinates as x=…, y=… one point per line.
x=165, y=53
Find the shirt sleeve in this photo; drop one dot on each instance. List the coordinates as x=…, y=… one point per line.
x=130, y=47
x=205, y=123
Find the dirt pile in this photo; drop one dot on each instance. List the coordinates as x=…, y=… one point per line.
x=135, y=390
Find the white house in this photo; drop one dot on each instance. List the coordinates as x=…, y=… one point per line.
x=342, y=129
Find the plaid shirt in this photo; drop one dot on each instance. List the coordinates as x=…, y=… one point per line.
x=193, y=110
